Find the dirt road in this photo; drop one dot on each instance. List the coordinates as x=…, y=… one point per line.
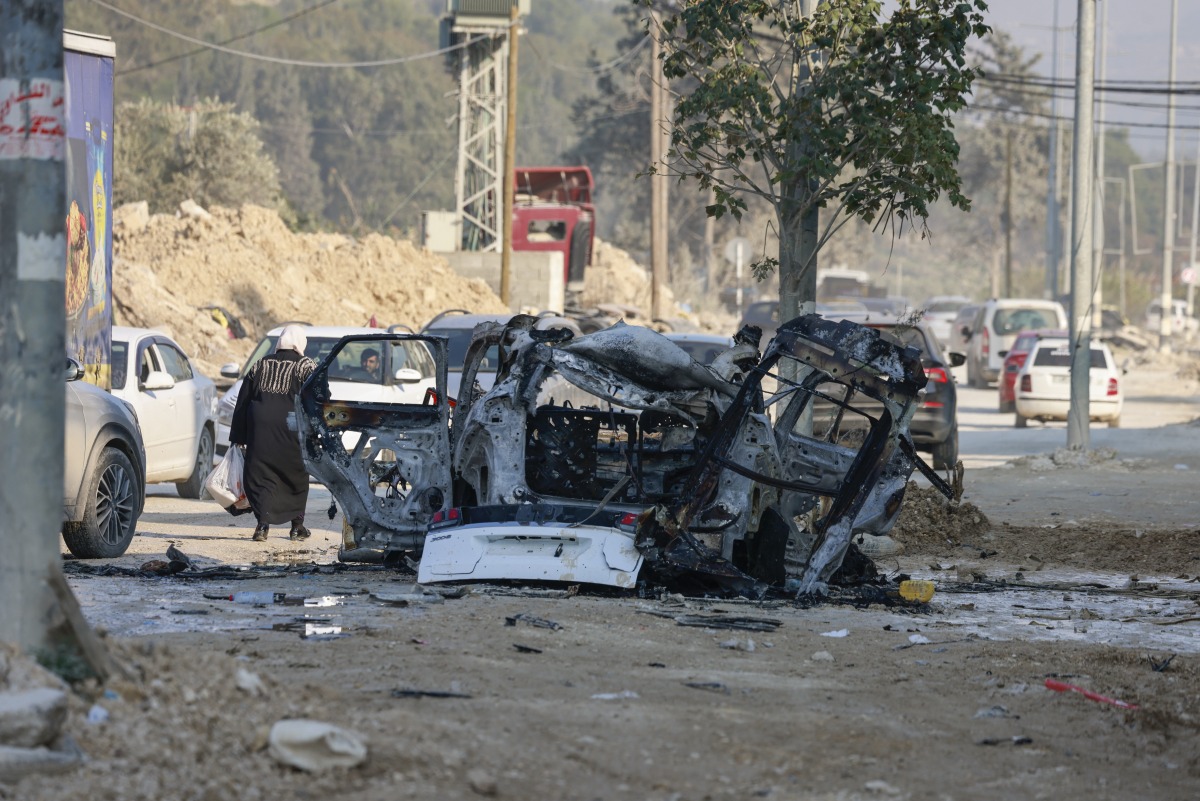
x=1086, y=574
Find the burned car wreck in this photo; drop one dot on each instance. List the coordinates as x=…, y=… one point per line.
x=613, y=456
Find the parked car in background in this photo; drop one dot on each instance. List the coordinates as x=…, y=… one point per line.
x=175, y=405
x=1044, y=384
x=765, y=315
x=995, y=329
x=1181, y=323
x=701, y=347
x=934, y=425
x=407, y=370
x=940, y=312
x=1015, y=360
x=458, y=326
x=104, y=468
x=956, y=342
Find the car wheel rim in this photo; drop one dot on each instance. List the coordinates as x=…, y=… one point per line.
x=114, y=504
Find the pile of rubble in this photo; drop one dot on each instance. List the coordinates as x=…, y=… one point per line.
x=169, y=270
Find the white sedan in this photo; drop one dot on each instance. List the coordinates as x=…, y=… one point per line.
x=176, y=407
x=1043, y=385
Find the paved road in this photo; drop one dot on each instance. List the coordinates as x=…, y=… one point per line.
x=1154, y=398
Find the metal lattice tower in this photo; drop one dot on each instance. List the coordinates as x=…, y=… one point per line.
x=481, y=67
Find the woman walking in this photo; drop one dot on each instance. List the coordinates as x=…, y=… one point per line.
x=275, y=479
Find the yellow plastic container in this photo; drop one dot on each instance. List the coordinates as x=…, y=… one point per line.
x=916, y=590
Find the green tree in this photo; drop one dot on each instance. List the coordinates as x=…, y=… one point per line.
x=839, y=109
x=209, y=152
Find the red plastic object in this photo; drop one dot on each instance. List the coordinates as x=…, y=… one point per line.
x=1063, y=687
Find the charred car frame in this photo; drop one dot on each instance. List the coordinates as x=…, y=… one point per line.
x=598, y=458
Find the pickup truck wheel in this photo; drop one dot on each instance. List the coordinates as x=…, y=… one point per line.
x=194, y=486
x=1114, y=422
x=111, y=514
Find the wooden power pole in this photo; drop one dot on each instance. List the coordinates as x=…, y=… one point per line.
x=510, y=158
x=659, y=144
x=33, y=257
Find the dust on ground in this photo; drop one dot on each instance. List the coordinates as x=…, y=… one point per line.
x=166, y=268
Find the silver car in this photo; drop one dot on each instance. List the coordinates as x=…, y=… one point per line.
x=104, y=471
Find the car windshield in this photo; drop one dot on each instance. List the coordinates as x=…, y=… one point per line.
x=459, y=339
x=351, y=362
x=1060, y=356
x=908, y=335
x=1010, y=321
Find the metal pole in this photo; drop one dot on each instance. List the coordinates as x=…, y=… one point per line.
x=737, y=248
x=1051, y=289
x=1191, y=309
x=658, y=197
x=1098, y=211
x=505, y=228
x=1008, y=221
x=33, y=257
x=1165, y=298
x=1081, y=228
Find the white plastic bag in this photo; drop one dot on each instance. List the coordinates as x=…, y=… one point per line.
x=225, y=483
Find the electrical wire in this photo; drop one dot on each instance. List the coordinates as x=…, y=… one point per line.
x=600, y=68
x=385, y=62
x=230, y=40
x=1059, y=118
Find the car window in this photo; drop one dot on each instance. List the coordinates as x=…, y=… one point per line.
x=349, y=364
x=412, y=355
x=1010, y=321
x=1023, y=343
x=1060, y=356
x=147, y=363
x=120, y=358
x=174, y=362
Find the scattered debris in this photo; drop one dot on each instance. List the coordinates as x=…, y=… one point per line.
x=526, y=649
x=997, y=711
x=410, y=693
x=531, y=620
x=1161, y=665
x=710, y=686
x=314, y=746
x=621, y=696
x=738, y=645
x=249, y=682
x=1017, y=739
x=720, y=621
x=836, y=634
x=1062, y=687
x=918, y=639
x=821, y=656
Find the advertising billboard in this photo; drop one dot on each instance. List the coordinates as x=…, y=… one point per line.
x=88, y=94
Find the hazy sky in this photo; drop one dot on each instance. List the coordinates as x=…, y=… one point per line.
x=1138, y=48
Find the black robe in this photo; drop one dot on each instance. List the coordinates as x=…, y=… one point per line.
x=275, y=479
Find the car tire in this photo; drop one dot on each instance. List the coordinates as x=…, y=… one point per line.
x=1114, y=422
x=194, y=486
x=945, y=453
x=1021, y=421
x=111, y=514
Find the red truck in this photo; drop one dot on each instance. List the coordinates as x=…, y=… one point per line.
x=553, y=211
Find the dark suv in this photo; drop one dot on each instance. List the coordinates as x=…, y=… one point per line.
x=934, y=425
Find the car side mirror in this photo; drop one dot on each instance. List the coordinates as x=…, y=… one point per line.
x=73, y=370
x=230, y=370
x=407, y=375
x=158, y=380
x=957, y=359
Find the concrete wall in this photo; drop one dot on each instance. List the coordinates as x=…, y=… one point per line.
x=537, y=277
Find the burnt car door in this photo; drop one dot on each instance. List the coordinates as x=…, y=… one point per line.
x=386, y=462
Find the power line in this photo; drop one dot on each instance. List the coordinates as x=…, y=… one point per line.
x=1038, y=92
x=1060, y=118
x=600, y=68
x=386, y=62
x=1126, y=87
x=231, y=39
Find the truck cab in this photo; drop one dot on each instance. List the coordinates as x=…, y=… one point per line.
x=553, y=211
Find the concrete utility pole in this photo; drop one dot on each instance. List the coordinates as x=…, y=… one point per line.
x=33, y=257
x=1008, y=220
x=1191, y=287
x=1164, y=325
x=1078, y=434
x=659, y=144
x=510, y=159
x=1099, y=184
x=1052, y=249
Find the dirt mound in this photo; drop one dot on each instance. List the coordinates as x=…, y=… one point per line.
x=246, y=261
x=928, y=522
x=614, y=278
x=1068, y=459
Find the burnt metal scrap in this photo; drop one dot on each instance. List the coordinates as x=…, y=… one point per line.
x=594, y=457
